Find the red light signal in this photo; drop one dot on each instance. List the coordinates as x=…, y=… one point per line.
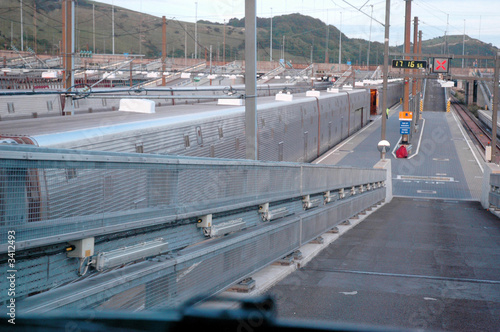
x=440, y=65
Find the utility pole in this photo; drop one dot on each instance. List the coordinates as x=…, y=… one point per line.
x=196, y=31
x=271, y=38
x=113, y=25
x=251, y=138
x=312, y=52
x=22, y=32
x=163, y=50
x=416, y=112
x=463, y=46
x=34, y=24
x=283, y=57
x=224, y=48
x=415, y=51
x=185, y=44
x=369, y=41
x=68, y=12
x=340, y=41
x=446, y=51
x=93, y=26
x=420, y=57
x=386, y=67
x=327, y=59
x=406, y=93
x=140, y=32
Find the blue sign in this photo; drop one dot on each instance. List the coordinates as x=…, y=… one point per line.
x=404, y=131
x=348, y=63
x=404, y=124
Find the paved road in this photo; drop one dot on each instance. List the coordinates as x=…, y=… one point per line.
x=414, y=263
x=428, y=260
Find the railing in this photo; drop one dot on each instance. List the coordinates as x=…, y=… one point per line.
x=51, y=196
x=494, y=194
x=343, y=78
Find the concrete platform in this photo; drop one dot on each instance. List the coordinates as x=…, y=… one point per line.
x=444, y=164
x=412, y=264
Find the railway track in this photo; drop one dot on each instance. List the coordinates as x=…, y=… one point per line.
x=481, y=134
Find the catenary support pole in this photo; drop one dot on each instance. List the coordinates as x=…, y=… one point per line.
x=250, y=80
x=386, y=66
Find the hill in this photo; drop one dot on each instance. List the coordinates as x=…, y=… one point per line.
x=138, y=33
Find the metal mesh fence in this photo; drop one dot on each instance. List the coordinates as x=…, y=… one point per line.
x=51, y=196
x=57, y=192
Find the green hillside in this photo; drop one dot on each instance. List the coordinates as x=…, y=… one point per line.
x=300, y=33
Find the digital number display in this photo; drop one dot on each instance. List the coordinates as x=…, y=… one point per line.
x=409, y=64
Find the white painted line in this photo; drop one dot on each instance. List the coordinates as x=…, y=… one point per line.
x=395, y=146
x=466, y=140
x=349, y=293
x=419, y=140
x=432, y=192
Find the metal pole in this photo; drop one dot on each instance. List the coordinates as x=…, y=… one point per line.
x=386, y=66
x=340, y=41
x=73, y=30
x=196, y=31
x=251, y=79
x=415, y=51
x=22, y=32
x=326, y=43
x=369, y=41
x=271, y=38
x=93, y=26
x=463, y=46
x=420, y=58
x=34, y=24
x=163, y=50
x=224, y=48
x=210, y=59
x=113, y=26
x=62, y=49
x=406, y=92
x=495, y=111
x=416, y=112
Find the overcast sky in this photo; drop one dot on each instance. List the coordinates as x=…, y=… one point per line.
x=480, y=17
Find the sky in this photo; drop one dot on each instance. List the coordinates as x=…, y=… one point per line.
x=479, y=18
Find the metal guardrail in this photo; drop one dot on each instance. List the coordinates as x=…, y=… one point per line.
x=51, y=196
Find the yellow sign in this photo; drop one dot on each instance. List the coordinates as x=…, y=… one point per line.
x=405, y=116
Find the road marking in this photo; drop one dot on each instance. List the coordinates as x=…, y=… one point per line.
x=429, y=178
x=419, y=139
x=430, y=299
x=349, y=293
x=440, y=159
x=432, y=192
